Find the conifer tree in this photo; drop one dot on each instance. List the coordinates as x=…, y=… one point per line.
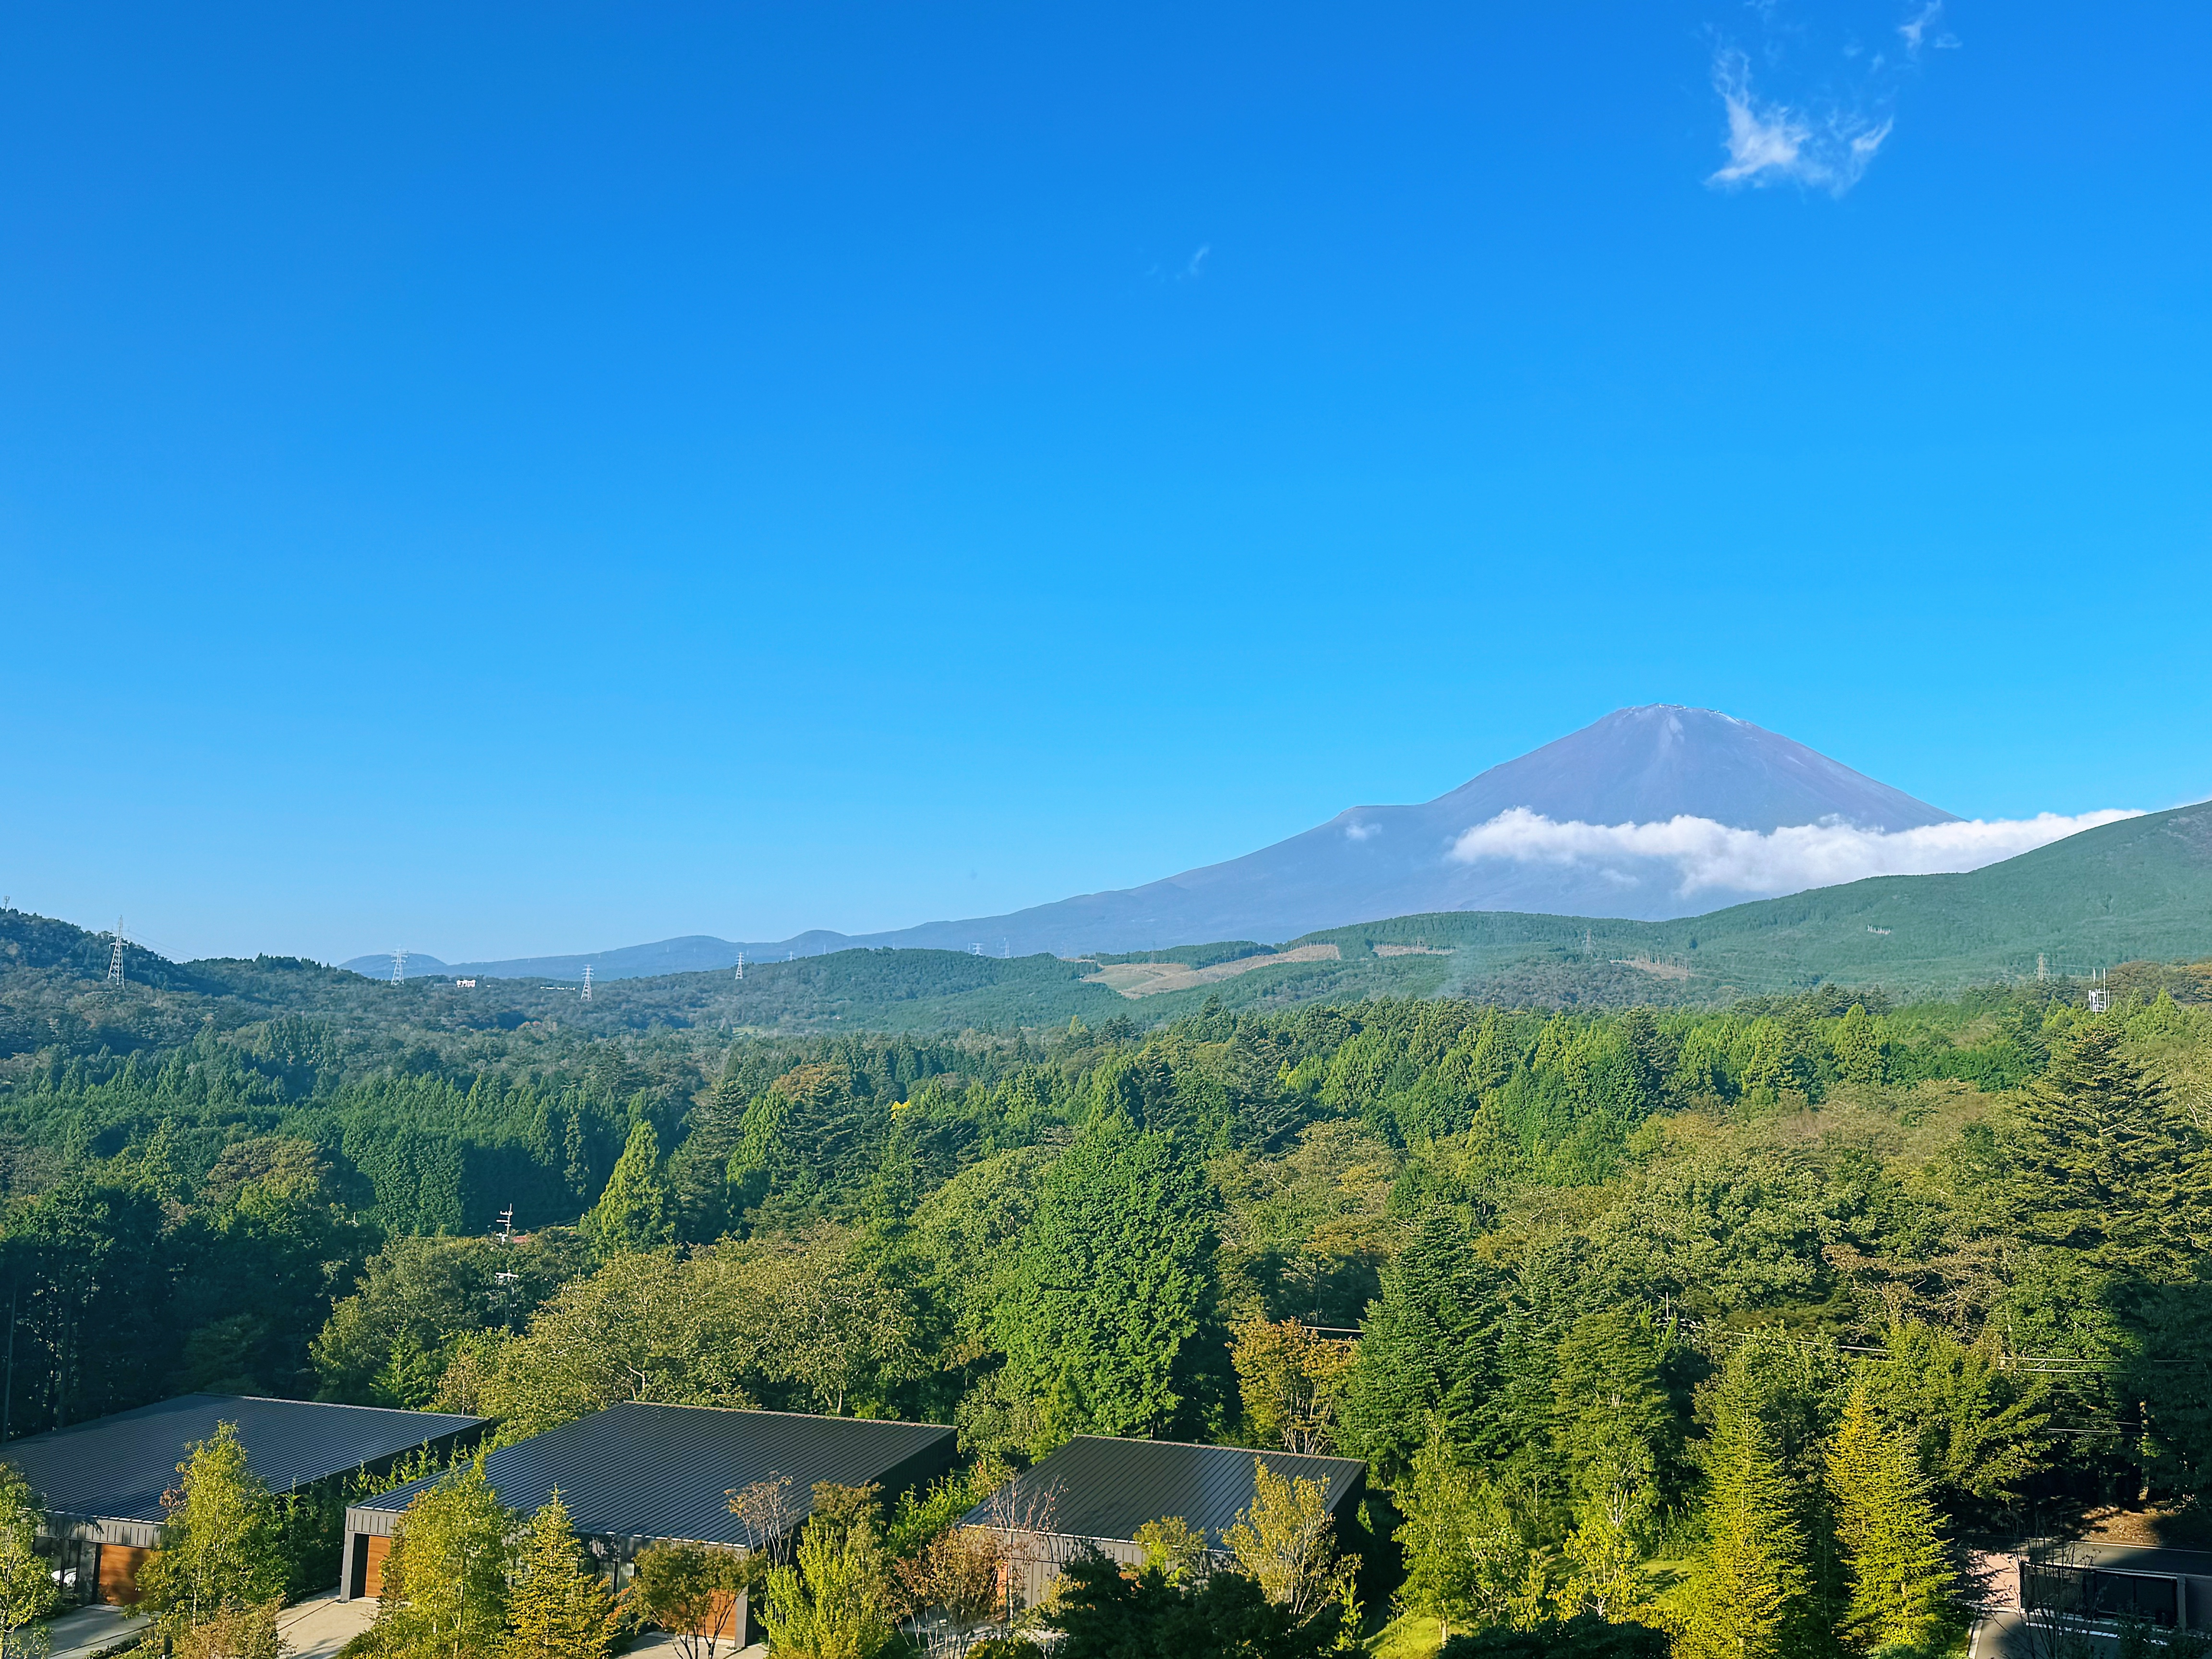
x=1745, y=1586
x=1888, y=1530
x=2101, y=1163
x=555, y=1610
x=1428, y=1355
x=635, y=1213
x=1113, y=1281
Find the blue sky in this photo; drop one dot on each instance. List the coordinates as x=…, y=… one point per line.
x=500, y=480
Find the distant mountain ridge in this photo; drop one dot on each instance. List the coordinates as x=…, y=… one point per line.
x=1633, y=766
x=2136, y=890
x=1645, y=765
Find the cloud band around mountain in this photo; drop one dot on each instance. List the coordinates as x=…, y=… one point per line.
x=1703, y=856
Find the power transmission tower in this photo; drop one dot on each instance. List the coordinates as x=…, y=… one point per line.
x=741, y=965
x=115, y=956
x=2041, y=970
x=587, y=982
x=398, y=966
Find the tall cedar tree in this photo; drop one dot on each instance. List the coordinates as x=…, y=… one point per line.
x=1113, y=1284
x=2102, y=1166
x=636, y=1212
x=445, y=1580
x=1614, y=1421
x=1426, y=1355
x=1890, y=1533
x=1743, y=1592
x=554, y=1609
x=222, y=1546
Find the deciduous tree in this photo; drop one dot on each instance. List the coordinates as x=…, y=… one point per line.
x=222, y=1545
x=445, y=1581
x=1285, y=1543
x=28, y=1590
x=691, y=1591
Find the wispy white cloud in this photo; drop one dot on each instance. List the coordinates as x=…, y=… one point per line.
x=1701, y=856
x=1826, y=93
x=1915, y=30
x=1773, y=143
x=1362, y=831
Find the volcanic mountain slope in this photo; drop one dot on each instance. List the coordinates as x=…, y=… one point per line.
x=1636, y=766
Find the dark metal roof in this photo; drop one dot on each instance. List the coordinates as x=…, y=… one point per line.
x=117, y=1467
x=1106, y=1488
x=644, y=1471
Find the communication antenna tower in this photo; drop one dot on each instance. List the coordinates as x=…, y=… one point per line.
x=741, y=965
x=399, y=965
x=587, y=982
x=115, y=956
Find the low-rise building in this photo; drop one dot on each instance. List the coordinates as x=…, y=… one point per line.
x=101, y=1483
x=638, y=1475
x=1095, y=1493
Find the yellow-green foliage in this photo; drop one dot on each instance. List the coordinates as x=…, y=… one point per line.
x=221, y=1546
x=28, y=1590
x=1888, y=1531
x=445, y=1581
x=555, y=1608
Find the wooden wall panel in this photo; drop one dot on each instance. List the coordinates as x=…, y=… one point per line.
x=118, y=1572
x=373, y=1580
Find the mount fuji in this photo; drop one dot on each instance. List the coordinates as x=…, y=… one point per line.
x=1649, y=813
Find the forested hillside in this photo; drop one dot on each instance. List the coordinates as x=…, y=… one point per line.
x=1962, y=1239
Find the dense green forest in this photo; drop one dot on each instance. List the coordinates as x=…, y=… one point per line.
x=1617, y=1305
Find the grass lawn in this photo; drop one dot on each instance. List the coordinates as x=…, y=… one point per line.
x=1409, y=1636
